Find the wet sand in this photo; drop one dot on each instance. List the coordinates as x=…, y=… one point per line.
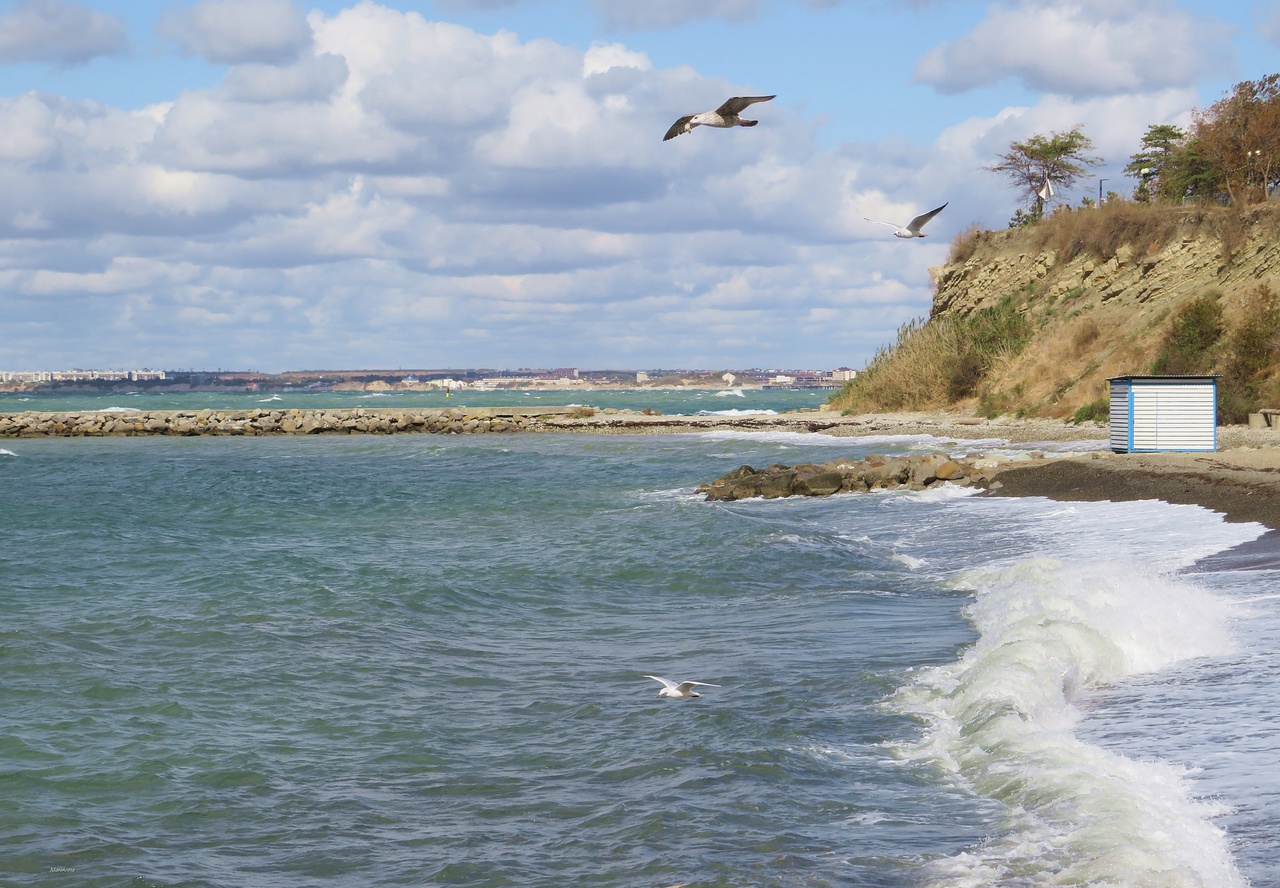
x=1242, y=484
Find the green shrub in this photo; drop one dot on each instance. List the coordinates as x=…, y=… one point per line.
x=1188, y=346
x=1095, y=411
x=1253, y=353
x=964, y=372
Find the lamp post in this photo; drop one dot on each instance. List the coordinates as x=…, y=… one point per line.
x=1100, y=181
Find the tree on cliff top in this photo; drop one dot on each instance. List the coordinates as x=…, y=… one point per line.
x=1043, y=165
x=1240, y=134
x=1161, y=142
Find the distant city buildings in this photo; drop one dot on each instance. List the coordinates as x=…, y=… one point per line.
x=79, y=375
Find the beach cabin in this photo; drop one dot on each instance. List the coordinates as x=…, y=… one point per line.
x=1156, y=413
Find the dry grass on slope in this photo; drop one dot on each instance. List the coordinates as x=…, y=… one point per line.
x=1100, y=232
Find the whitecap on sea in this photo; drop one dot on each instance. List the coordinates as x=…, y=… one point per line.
x=736, y=412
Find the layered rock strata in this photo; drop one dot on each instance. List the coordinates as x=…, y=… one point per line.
x=913, y=472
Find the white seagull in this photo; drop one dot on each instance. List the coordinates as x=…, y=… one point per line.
x=724, y=116
x=682, y=691
x=912, y=228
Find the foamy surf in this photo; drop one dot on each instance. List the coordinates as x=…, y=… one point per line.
x=737, y=412
x=1001, y=721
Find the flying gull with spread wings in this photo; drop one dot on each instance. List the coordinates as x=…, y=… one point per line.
x=912, y=228
x=682, y=691
x=725, y=116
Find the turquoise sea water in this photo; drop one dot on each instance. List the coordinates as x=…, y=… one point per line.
x=419, y=660
x=668, y=401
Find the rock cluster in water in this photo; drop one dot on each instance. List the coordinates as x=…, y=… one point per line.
x=268, y=422
x=913, y=472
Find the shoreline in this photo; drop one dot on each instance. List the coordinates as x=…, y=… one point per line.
x=1242, y=484
x=1240, y=480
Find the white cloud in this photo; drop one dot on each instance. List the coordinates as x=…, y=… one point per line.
x=28, y=124
x=629, y=15
x=602, y=57
x=313, y=78
x=59, y=32
x=237, y=31
x=1081, y=48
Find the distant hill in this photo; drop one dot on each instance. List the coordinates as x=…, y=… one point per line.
x=1033, y=320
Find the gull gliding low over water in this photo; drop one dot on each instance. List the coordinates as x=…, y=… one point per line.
x=912, y=228
x=724, y=116
x=682, y=691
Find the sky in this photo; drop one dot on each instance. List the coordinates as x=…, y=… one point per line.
x=279, y=185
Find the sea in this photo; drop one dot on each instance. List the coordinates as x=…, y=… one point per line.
x=674, y=401
x=424, y=660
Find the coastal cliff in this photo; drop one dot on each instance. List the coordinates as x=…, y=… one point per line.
x=1034, y=320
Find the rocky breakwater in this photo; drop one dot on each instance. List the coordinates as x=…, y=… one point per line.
x=272, y=422
x=912, y=472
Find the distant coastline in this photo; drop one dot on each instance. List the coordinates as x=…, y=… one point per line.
x=386, y=381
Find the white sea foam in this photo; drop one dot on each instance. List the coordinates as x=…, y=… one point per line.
x=909, y=561
x=910, y=443
x=272, y=398
x=937, y=493
x=119, y=410
x=4, y=452
x=731, y=393
x=778, y=437
x=737, y=412
x=1001, y=719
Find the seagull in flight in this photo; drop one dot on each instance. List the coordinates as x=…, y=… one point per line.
x=724, y=116
x=912, y=228
x=682, y=691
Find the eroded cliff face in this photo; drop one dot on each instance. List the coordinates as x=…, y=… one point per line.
x=1102, y=300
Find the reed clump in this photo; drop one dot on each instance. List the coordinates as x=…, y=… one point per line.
x=935, y=363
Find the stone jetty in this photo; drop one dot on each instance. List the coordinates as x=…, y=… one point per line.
x=390, y=420
x=371, y=421
x=912, y=472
